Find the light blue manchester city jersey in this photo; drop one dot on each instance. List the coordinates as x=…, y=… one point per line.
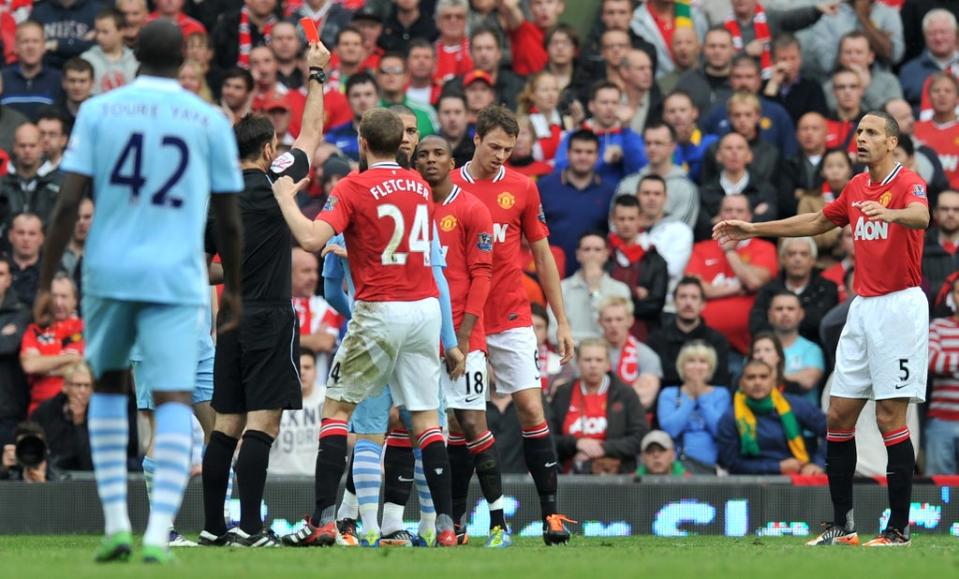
x=155, y=152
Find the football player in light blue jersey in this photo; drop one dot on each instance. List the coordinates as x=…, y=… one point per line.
x=153, y=153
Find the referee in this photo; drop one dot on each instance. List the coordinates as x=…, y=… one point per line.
x=255, y=370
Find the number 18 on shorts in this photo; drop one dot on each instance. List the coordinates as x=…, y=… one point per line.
x=471, y=390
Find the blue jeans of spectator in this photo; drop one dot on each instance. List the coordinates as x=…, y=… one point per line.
x=942, y=444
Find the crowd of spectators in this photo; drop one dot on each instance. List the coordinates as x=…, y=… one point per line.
x=644, y=122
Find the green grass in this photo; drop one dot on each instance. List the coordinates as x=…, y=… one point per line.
x=930, y=557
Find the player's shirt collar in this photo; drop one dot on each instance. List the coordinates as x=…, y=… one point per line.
x=158, y=83
x=385, y=165
x=464, y=171
x=453, y=195
x=892, y=175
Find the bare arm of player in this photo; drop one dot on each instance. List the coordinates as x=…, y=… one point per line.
x=60, y=231
x=311, y=127
x=914, y=216
x=229, y=243
x=311, y=235
x=549, y=279
x=801, y=225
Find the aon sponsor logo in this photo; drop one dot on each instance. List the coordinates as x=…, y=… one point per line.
x=499, y=232
x=870, y=230
x=588, y=425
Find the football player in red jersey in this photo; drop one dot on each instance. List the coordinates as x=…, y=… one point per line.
x=385, y=214
x=466, y=236
x=883, y=350
x=514, y=204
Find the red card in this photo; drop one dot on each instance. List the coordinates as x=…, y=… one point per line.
x=309, y=28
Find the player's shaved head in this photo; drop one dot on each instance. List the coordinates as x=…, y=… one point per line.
x=890, y=124
x=160, y=48
x=433, y=159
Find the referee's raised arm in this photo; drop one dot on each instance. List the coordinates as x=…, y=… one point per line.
x=311, y=127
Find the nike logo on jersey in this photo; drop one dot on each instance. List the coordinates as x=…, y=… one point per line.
x=404, y=479
x=550, y=464
x=471, y=400
x=901, y=386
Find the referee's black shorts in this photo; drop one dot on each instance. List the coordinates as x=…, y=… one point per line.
x=257, y=365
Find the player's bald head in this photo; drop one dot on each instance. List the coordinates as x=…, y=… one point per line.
x=160, y=46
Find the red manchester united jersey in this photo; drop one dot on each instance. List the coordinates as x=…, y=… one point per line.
x=944, y=140
x=466, y=235
x=385, y=215
x=888, y=255
x=513, y=203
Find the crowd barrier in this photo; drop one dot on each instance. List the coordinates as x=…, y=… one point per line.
x=604, y=506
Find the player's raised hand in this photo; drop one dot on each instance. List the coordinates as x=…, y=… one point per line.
x=228, y=315
x=875, y=211
x=455, y=362
x=564, y=340
x=284, y=189
x=41, y=308
x=733, y=230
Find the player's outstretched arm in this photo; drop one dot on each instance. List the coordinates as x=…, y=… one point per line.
x=58, y=236
x=311, y=235
x=229, y=242
x=796, y=226
x=311, y=127
x=549, y=279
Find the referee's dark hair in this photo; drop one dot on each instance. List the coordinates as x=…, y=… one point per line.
x=253, y=132
x=382, y=130
x=159, y=47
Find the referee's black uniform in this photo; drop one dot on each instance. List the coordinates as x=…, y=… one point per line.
x=257, y=366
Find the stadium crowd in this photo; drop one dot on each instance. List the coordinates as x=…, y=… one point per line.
x=643, y=128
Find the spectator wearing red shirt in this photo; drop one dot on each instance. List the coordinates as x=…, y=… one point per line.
x=173, y=10
x=349, y=56
x=319, y=322
x=47, y=351
x=598, y=420
x=526, y=37
x=267, y=88
x=941, y=431
x=848, y=91
x=452, y=48
x=941, y=133
x=732, y=274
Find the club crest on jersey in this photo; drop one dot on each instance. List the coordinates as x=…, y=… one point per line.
x=919, y=190
x=330, y=203
x=765, y=123
x=484, y=242
x=448, y=223
x=885, y=198
x=506, y=200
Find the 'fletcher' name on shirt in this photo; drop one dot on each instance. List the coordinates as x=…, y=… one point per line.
x=396, y=185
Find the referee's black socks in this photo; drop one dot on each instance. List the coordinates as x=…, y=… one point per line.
x=251, y=468
x=216, y=478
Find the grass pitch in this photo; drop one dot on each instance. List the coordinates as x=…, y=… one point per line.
x=930, y=557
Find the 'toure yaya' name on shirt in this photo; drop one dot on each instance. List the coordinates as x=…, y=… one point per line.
x=125, y=109
x=399, y=185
